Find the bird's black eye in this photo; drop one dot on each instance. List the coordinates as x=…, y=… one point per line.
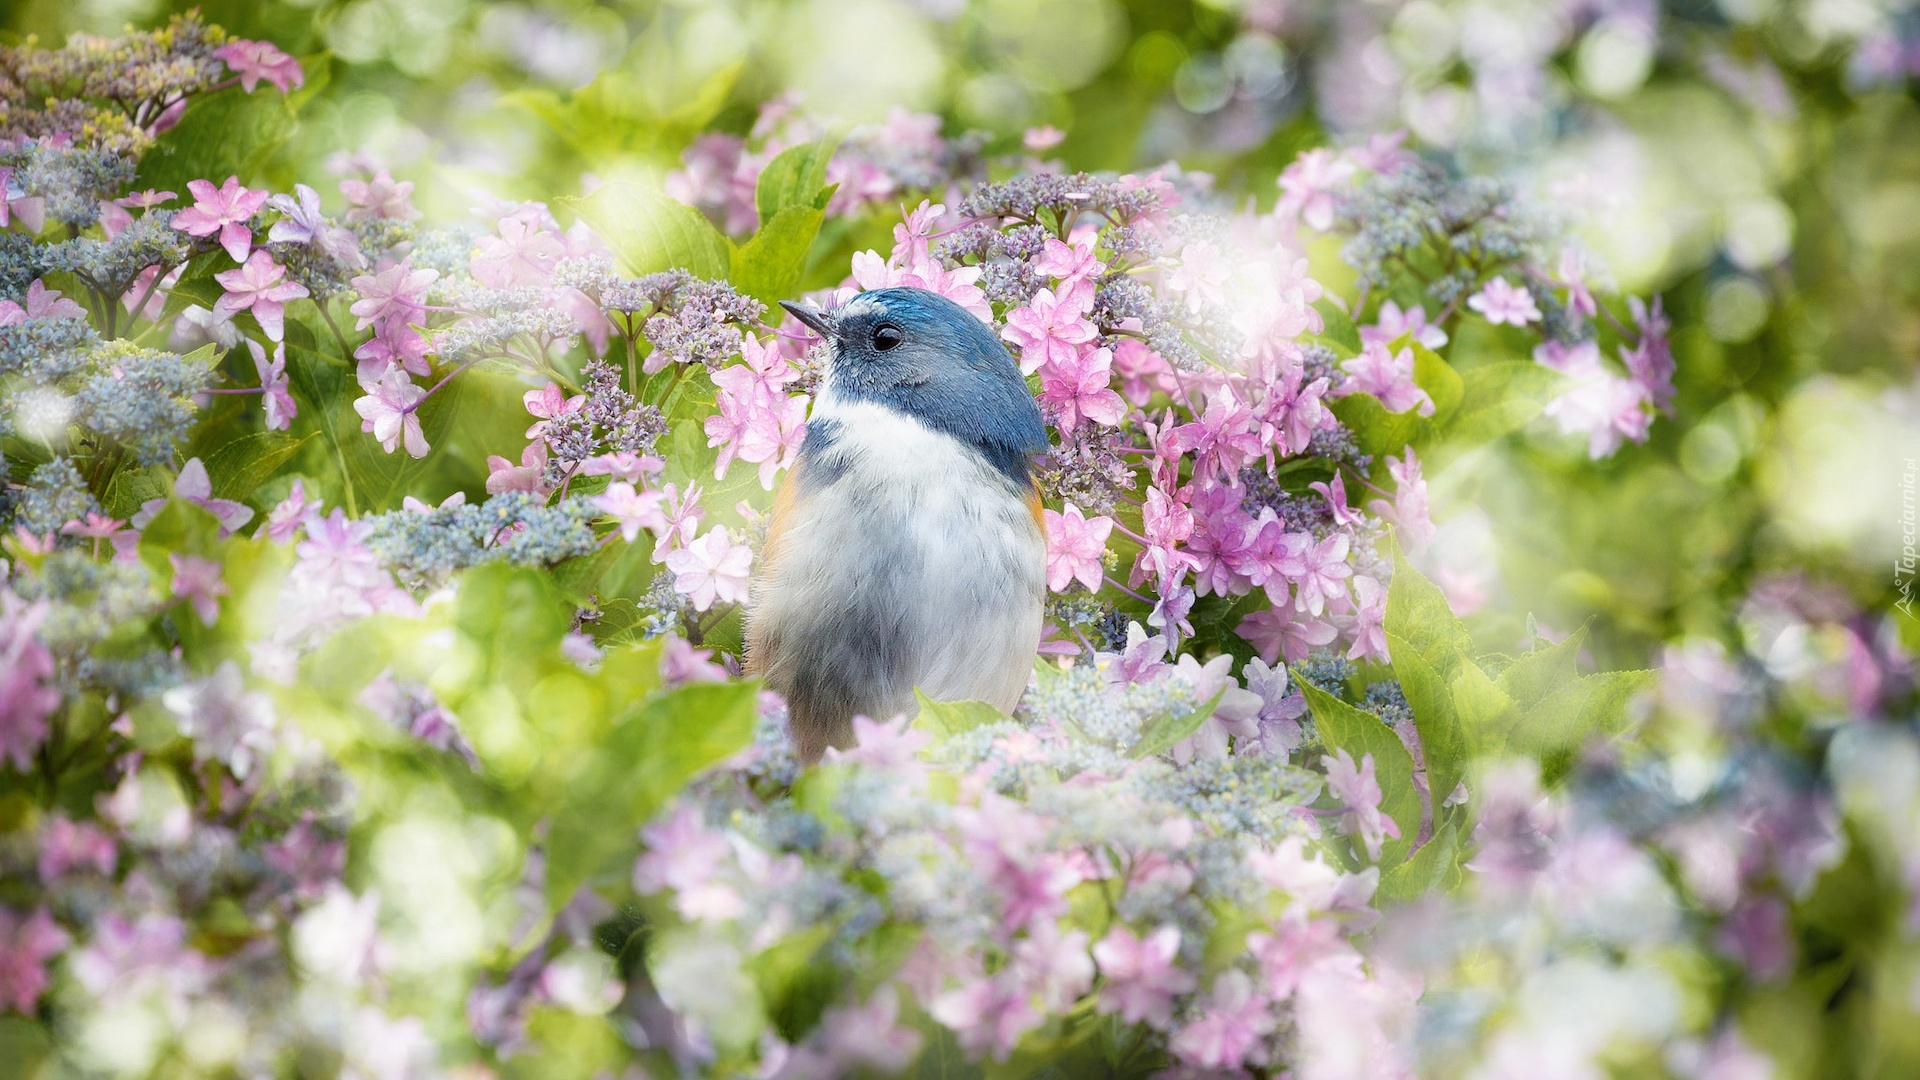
x=886, y=336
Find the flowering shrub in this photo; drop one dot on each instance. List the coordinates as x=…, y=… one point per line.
x=371, y=697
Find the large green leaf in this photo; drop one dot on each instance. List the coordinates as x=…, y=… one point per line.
x=1442, y=742
x=769, y=266
x=1377, y=431
x=620, y=116
x=1161, y=735
x=647, y=758
x=242, y=465
x=1427, y=869
x=1359, y=733
x=1555, y=728
x=1542, y=671
x=1417, y=611
x=221, y=135
x=1439, y=380
x=945, y=719
x=796, y=177
x=1497, y=398
x=649, y=231
x=1487, y=716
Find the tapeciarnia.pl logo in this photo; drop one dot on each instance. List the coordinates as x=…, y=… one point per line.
x=1903, y=567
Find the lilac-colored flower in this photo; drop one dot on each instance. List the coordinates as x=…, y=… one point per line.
x=41, y=303
x=1360, y=791
x=1041, y=138
x=1387, y=376
x=1369, y=620
x=389, y=413
x=306, y=224
x=883, y=744
x=711, y=569
x=1143, y=659
x=530, y=475
x=1503, y=302
x=1229, y=1032
x=67, y=845
x=856, y=1038
x=681, y=663
x=93, y=527
x=1573, y=275
x=1077, y=390
x=127, y=958
x=307, y=857
x=255, y=61
x=27, y=942
x=549, y=403
x=686, y=857
x=194, y=486
x=226, y=721
x=290, y=513
x=225, y=210
x=523, y=252
x=1293, y=950
x=1409, y=509
x=1394, y=324
x=381, y=198
x=988, y=1015
x=1606, y=409
x=1324, y=578
x=275, y=397
x=1308, y=185
x=260, y=286
x=1336, y=496
x=198, y=582
x=1075, y=548
x=633, y=510
x=1054, y=966
x=28, y=694
x=622, y=466
x=1141, y=975
x=1051, y=328
x=1280, y=707
x=1235, y=714
x=393, y=298
x=1170, y=611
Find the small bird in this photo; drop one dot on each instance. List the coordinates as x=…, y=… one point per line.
x=907, y=547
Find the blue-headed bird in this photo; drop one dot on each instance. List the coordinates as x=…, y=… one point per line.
x=906, y=548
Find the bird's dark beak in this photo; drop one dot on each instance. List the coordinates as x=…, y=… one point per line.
x=819, y=321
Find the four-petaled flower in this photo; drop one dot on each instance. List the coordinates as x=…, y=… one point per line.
x=197, y=581
x=388, y=413
x=274, y=394
x=711, y=569
x=225, y=210
x=1075, y=547
x=1356, y=786
x=1077, y=389
x=41, y=303
x=260, y=286
x=1503, y=302
x=255, y=61
x=194, y=486
x=1051, y=327
x=1142, y=976
x=633, y=509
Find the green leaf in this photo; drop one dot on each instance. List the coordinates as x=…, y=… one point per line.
x=1338, y=329
x=1439, y=380
x=796, y=177
x=220, y=135
x=1377, y=431
x=945, y=719
x=647, y=759
x=620, y=116
x=649, y=231
x=768, y=267
x=1417, y=611
x=1557, y=727
x=1497, y=398
x=1487, y=716
x=1423, y=872
x=1161, y=735
x=242, y=465
x=1542, y=671
x=1442, y=741
x=1359, y=733
x=795, y=982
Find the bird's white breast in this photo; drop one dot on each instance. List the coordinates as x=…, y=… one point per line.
x=905, y=560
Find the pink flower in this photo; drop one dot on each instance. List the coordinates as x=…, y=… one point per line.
x=870, y=1037
x=1229, y=1032
x=1297, y=946
x=1409, y=509
x=681, y=663
x=1307, y=187
x=1573, y=275
x=225, y=210
x=95, y=527
x=1142, y=979
x=548, y=403
x=1336, y=496
x=1325, y=575
x=1051, y=328
x=1076, y=390
x=684, y=514
x=194, y=486
x=258, y=285
x=1075, y=546
x=27, y=691
x=1369, y=620
x=987, y=1014
x=381, y=198
x=388, y=413
x=1235, y=714
x=41, y=303
x=306, y=224
x=1606, y=408
x=871, y=272
x=1387, y=376
x=685, y=856
x=274, y=395
x=291, y=513
x=530, y=475
x=1394, y=324
x=622, y=466
x=1360, y=791
x=1037, y=139
x=197, y=581
x=69, y=845
x=27, y=942
x=883, y=744
x=524, y=252
x=1502, y=302
x=254, y=61
x=711, y=569
x=1141, y=370
x=392, y=298
x=757, y=421
x=634, y=510
x=1167, y=523
x=1072, y=260
x=153, y=293
x=1282, y=630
